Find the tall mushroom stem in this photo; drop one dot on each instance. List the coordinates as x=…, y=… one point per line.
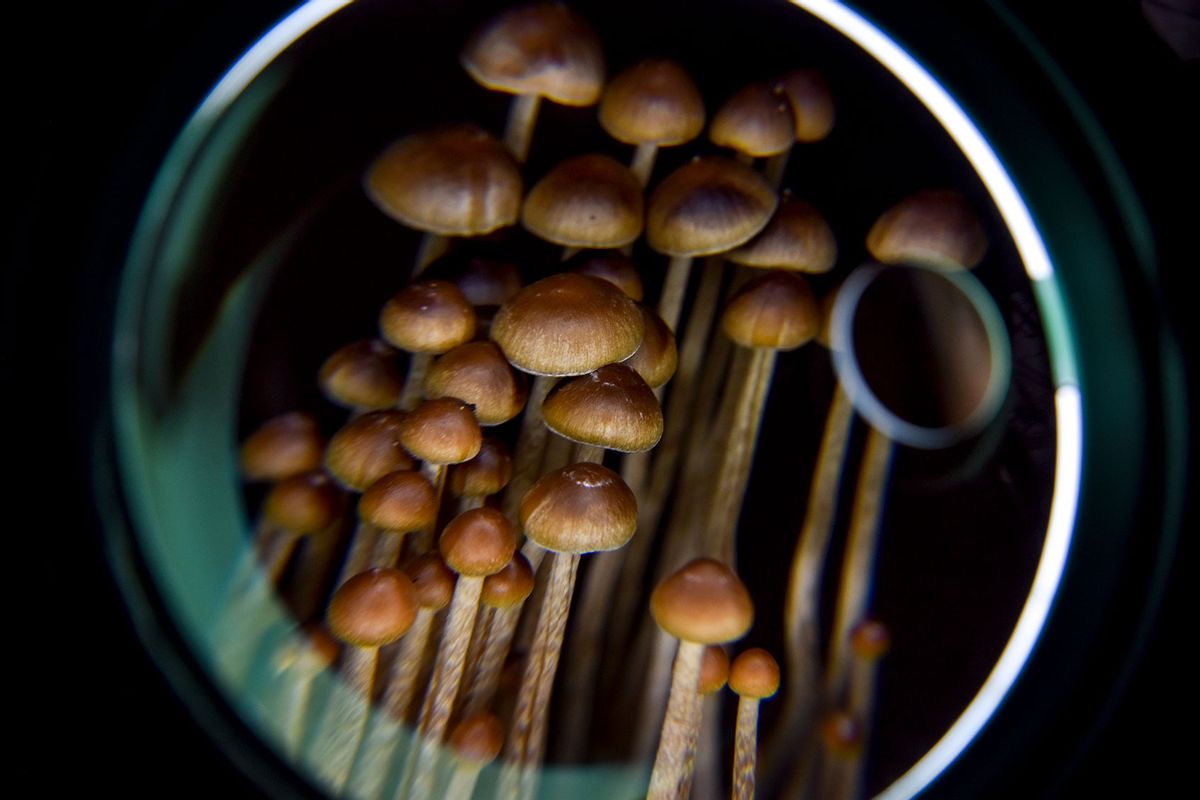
x=531, y=442
x=672, y=763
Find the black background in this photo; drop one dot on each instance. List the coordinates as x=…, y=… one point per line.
x=100, y=92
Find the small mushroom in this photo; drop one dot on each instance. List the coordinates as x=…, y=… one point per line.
x=754, y=676
x=425, y=319
x=362, y=376
x=281, y=447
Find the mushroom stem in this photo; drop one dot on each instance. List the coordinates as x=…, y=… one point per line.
x=432, y=247
x=591, y=453
x=344, y=719
x=414, y=384
x=462, y=781
x=482, y=687
x=362, y=548
x=530, y=445
x=643, y=161
x=858, y=565
x=745, y=748
x=422, y=540
x=670, y=301
x=673, y=761
x=518, y=132
x=774, y=168
x=402, y=675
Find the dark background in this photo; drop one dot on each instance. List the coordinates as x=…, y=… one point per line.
x=100, y=93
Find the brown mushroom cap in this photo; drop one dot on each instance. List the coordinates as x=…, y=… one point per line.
x=714, y=669
x=567, y=324
x=362, y=376
x=612, y=266
x=402, y=502
x=367, y=448
x=707, y=206
x=703, y=602
x=657, y=358
x=487, y=473
x=478, y=542
x=428, y=317
x=483, y=281
x=652, y=102
x=587, y=201
x=304, y=503
x=544, y=49
x=478, y=739
x=870, y=639
x=936, y=228
x=811, y=103
x=755, y=673
x=797, y=238
x=510, y=586
x=776, y=310
x=282, y=446
x=581, y=508
x=756, y=120
x=455, y=181
x=611, y=407
x=441, y=431
x=432, y=580
x=478, y=374
x=373, y=608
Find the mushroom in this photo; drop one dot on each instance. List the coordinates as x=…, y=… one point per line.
x=302, y=505
x=475, y=743
x=935, y=228
x=362, y=376
x=797, y=238
x=535, y=51
x=424, y=319
x=755, y=121
x=811, y=104
x=281, y=447
x=841, y=737
x=754, y=676
x=478, y=374
x=706, y=735
x=472, y=482
x=608, y=408
x=590, y=201
x=397, y=504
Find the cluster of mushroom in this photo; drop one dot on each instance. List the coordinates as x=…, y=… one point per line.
x=434, y=598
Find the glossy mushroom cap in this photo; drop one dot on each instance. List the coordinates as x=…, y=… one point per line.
x=487, y=473
x=797, y=238
x=581, y=508
x=703, y=602
x=776, y=310
x=373, y=608
x=456, y=181
x=714, y=669
x=936, y=228
x=544, y=49
x=428, y=317
x=432, y=580
x=477, y=740
x=478, y=542
x=870, y=639
x=708, y=205
x=652, y=102
x=811, y=103
x=756, y=121
x=612, y=266
x=478, y=374
x=399, y=501
x=587, y=201
x=367, y=448
x=282, y=446
x=567, y=324
x=755, y=673
x=441, y=431
x=510, y=586
x=362, y=376
x=658, y=357
x=304, y=503
x=611, y=407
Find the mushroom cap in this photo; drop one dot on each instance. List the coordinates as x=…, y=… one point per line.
x=432, y=580
x=870, y=639
x=612, y=266
x=653, y=102
x=658, y=357
x=453, y=181
x=755, y=673
x=282, y=446
x=366, y=448
x=811, y=103
x=373, y=608
x=362, y=376
x=797, y=238
x=510, y=586
x=703, y=602
x=477, y=740
x=567, y=324
x=708, y=205
x=714, y=669
x=611, y=407
x=756, y=120
x=427, y=317
x=484, y=281
x=304, y=503
x=776, y=310
x=478, y=374
x=487, y=473
x=544, y=49
x=441, y=431
x=936, y=228
x=841, y=732
x=401, y=502
x=587, y=201
x=478, y=542
x=581, y=508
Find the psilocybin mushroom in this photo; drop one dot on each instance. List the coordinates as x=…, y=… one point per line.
x=754, y=676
